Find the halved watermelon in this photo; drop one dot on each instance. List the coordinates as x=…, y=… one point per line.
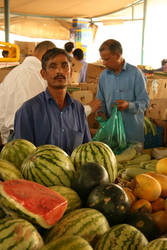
x=32, y=201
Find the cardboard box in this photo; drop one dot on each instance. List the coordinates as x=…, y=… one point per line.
x=84, y=96
x=94, y=72
x=89, y=86
x=157, y=109
x=157, y=88
x=26, y=48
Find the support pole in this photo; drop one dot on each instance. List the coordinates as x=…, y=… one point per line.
x=7, y=20
x=143, y=32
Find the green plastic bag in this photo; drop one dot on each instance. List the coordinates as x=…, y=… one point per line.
x=112, y=131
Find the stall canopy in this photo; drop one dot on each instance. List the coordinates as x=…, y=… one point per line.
x=54, y=17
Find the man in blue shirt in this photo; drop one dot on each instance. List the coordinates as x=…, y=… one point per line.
x=123, y=84
x=53, y=117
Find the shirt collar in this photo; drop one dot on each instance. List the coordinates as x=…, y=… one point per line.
x=123, y=68
x=49, y=97
x=124, y=65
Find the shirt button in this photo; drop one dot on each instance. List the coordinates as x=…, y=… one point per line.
x=62, y=130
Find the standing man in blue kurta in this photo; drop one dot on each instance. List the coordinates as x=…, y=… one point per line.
x=53, y=117
x=123, y=84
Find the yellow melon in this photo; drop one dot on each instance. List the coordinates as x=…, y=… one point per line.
x=146, y=187
x=161, y=166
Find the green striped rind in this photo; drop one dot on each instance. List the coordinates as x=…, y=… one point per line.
x=68, y=243
x=85, y=222
x=2, y=213
x=121, y=237
x=95, y=152
x=157, y=244
x=70, y=195
x=16, y=151
x=48, y=166
x=8, y=171
x=11, y=210
x=19, y=234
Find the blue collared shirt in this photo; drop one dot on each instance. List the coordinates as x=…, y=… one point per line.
x=41, y=121
x=129, y=85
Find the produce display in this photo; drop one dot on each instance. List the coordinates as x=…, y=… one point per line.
x=92, y=199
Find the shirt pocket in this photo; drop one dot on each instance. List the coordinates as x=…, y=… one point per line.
x=127, y=94
x=75, y=138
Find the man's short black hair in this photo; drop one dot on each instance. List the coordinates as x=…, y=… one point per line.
x=52, y=53
x=113, y=45
x=69, y=46
x=78, y=54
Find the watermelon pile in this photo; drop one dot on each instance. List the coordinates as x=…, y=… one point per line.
x=42, y=204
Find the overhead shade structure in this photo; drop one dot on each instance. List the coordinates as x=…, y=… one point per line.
x=38, y=27
x=66, y=8
x=53, y=18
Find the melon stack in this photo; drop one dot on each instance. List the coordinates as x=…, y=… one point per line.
x=42, y=205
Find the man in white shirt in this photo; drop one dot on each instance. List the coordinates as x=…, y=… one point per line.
x=21, y=84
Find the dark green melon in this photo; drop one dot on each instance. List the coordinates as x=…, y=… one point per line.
x=112, y=201
x=145, y=223
x=90, y=175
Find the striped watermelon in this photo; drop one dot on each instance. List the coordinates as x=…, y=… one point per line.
x=95, y=152
x=120, y=237
x=73, y=242
x=48, y=165
x=32, y=201
x=19, y=234
x=70, y=195
x=2, y=213
x=157, y=244
x=85, y=222
x=8, y=171
x=16, y=151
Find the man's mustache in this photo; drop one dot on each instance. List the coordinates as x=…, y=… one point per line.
x=59, y=76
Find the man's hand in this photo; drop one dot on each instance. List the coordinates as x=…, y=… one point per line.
x=95, y=105
x=122, y=104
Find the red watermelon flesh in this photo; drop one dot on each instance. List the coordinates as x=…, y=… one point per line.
x=37, y=199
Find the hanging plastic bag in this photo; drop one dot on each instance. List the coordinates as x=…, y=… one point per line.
x=112, y=131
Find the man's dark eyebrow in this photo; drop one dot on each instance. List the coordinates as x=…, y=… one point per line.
x=52, y=64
